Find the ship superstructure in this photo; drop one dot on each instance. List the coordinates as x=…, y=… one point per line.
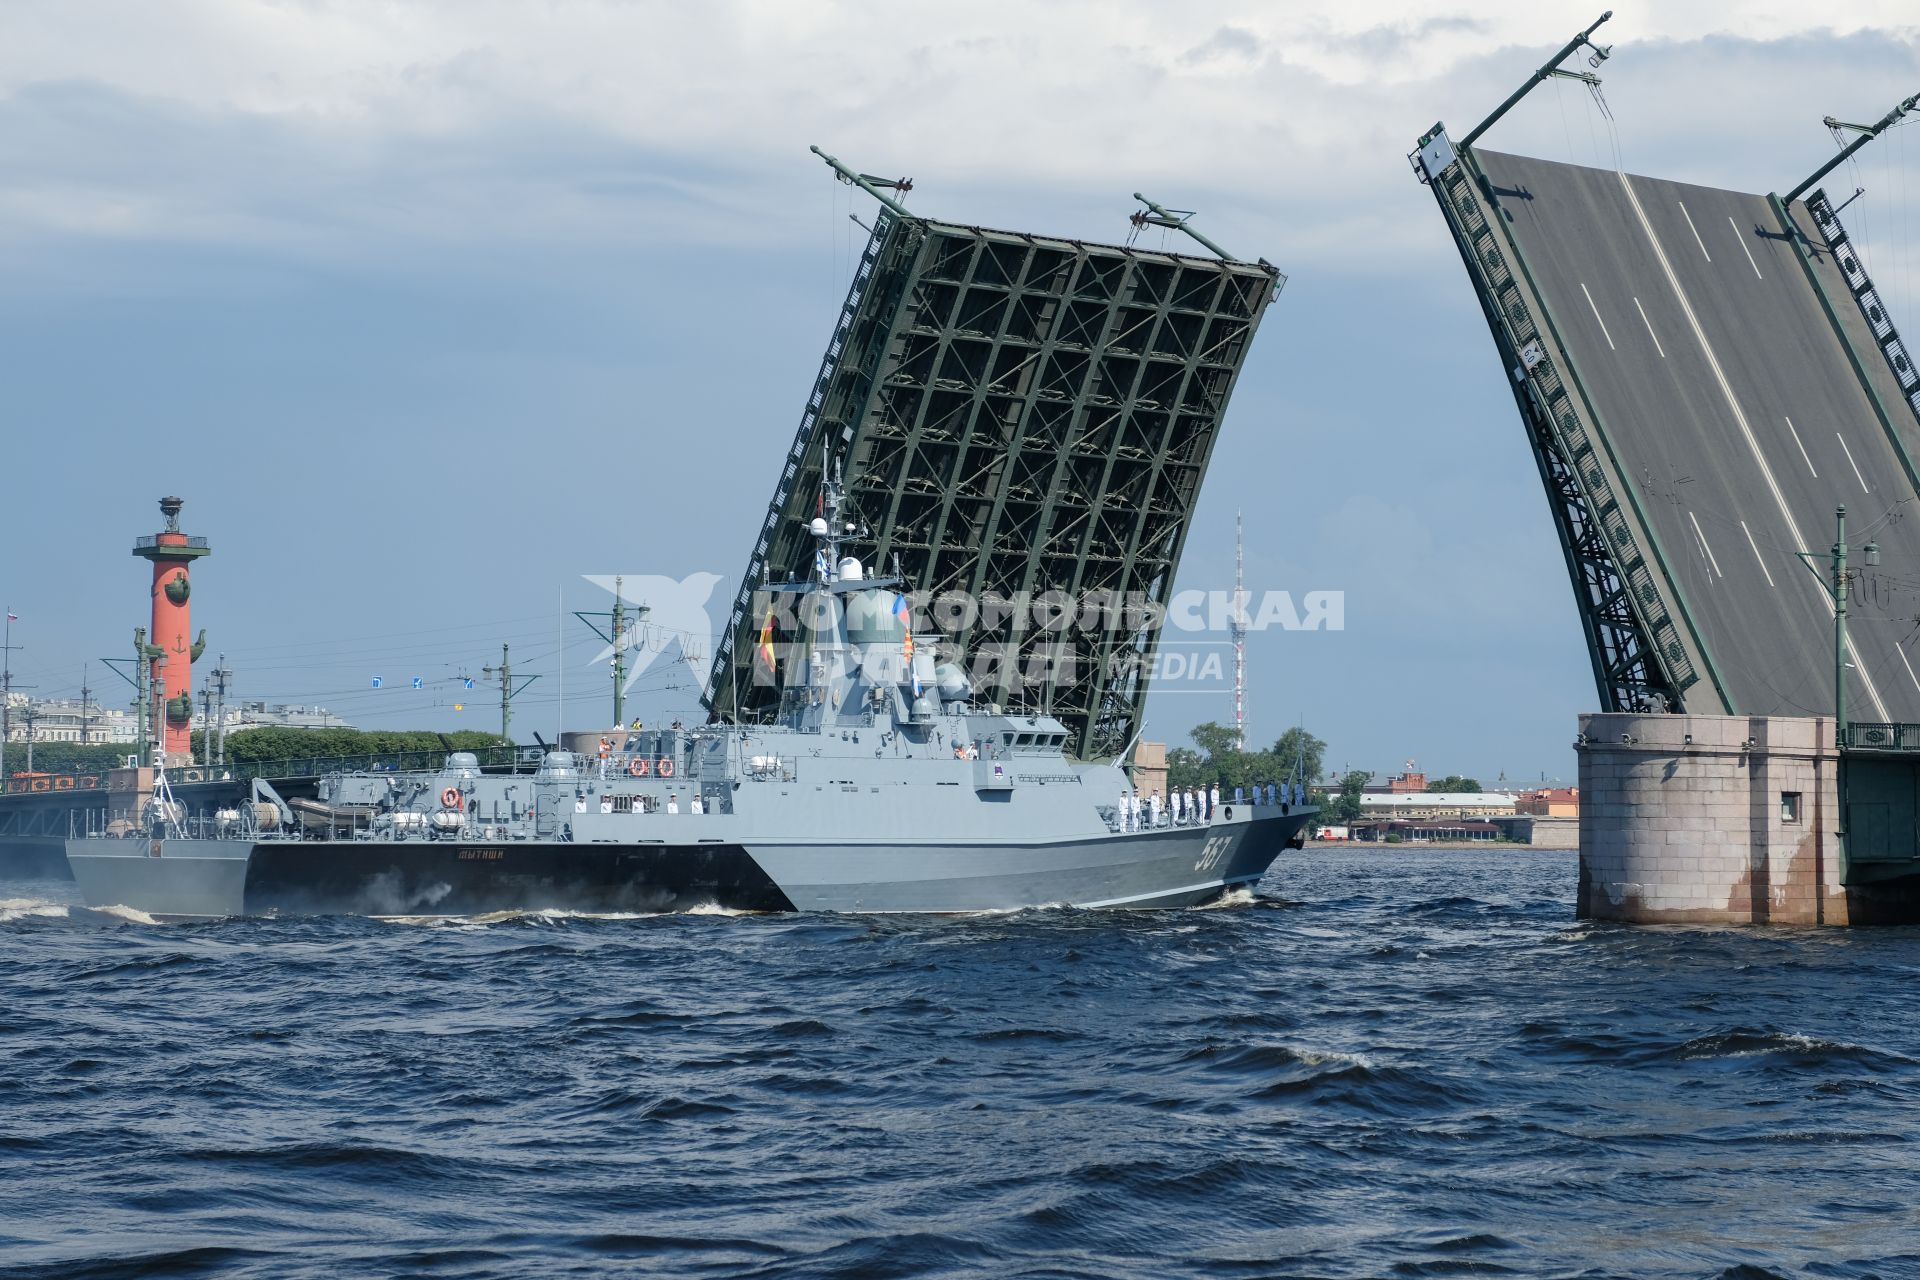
x=881, y=787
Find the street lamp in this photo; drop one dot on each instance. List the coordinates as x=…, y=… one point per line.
x=1837, y=590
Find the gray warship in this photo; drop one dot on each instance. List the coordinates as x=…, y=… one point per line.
x=881, y=787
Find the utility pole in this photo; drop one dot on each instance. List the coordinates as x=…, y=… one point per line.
x=86, y=708
x=1867, y=132
x=508, y=689
x=221, y=674
x=1596, y=54
x=619, y=639
x=1239, y=631
x=6, y=695
x=619, y=656
x=1174, y=219
x=140, y=676
x=1837, y=590
x=142, y=692
x=206, y=724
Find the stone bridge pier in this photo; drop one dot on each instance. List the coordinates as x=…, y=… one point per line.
x=1715, y=819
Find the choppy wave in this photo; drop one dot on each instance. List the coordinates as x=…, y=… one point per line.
x=12, y=909
x=1381, y=1063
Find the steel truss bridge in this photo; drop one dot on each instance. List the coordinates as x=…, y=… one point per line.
x=1014, y=415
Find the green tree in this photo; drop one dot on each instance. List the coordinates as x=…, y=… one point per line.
x=1218, y=761
x=250, y=745
x=1215, y=739
x=1301, y=752
x=69, y=757
x=1343, y=806
x=1186, y=768
x=1455, y=783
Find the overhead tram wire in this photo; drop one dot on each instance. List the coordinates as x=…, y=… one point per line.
x=331, y=642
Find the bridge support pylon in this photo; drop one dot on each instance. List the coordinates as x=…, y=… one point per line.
x=1716, y=819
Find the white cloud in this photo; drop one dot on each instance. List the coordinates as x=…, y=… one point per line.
x=322, y=122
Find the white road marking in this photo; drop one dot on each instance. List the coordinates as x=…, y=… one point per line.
x=1756, y=550
x=1696, y=231
x=1650, y=333
x=1596, y=316
x=1704, y=547
x=1743, y=246
x=1850, y=462
x=1803, y=449
x=1906, y=664
x=1746, y=430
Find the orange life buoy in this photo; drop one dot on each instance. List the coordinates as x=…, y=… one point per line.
x=450, y=798
x=666, y=766
x=637, y=766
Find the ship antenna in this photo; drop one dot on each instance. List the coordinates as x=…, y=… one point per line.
x=830, y=512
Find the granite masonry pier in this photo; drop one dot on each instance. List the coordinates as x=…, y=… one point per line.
x=1708, y=819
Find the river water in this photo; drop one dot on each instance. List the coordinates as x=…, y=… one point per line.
x=1388, y=1063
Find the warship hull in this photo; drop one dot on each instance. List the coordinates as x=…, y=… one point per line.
x=201, y=879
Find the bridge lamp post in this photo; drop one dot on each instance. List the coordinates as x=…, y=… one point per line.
x=1836, y=589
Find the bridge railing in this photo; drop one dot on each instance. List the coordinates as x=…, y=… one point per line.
x=290, y=767
x=1886, y=738
x=371, y=762
x=34, y=783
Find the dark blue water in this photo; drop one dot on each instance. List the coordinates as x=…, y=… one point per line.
x=1392, y=1064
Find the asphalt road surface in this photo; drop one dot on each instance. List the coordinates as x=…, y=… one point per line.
x=1733, y=410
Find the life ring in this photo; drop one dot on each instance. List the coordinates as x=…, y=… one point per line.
x=666, y=766
x=638, y=766
x=450, y=798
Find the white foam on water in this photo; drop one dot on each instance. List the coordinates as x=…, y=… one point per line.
x=12, y=909
x=1330, y=1058
x=543, y=915
x=1239, y=896
x=131, y=914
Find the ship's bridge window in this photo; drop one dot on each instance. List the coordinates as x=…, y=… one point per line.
x=1024, y=740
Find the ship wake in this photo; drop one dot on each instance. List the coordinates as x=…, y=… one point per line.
x=14, y=909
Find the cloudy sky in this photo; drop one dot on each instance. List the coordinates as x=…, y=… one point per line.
x=429, y=309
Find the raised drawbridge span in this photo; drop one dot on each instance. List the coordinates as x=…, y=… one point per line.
x=1704, y=376
x=1015, y=416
